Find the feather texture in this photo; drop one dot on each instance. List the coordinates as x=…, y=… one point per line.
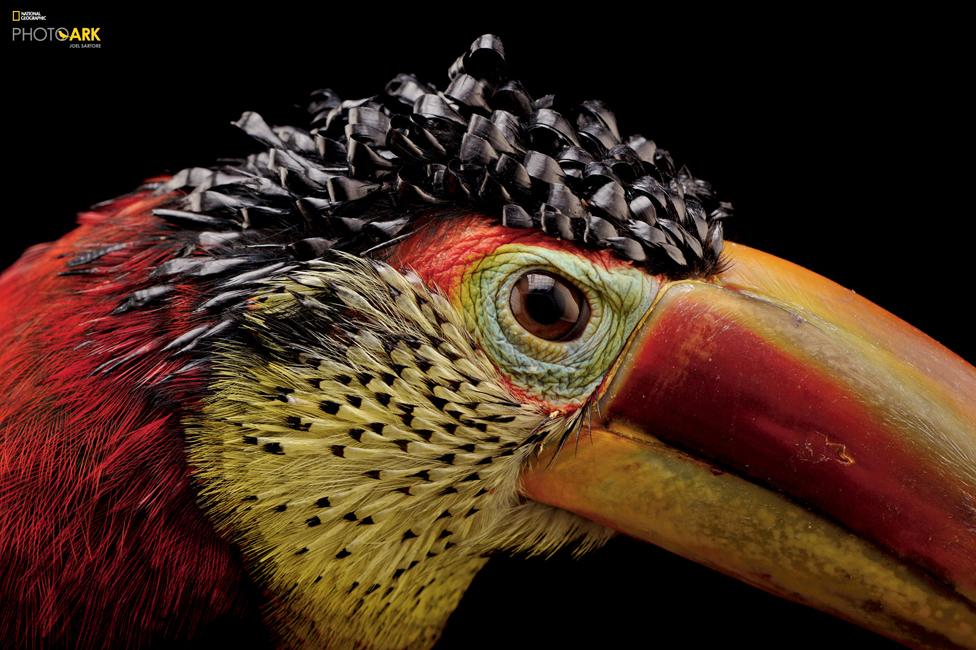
x=365, y=453
x=102, y=544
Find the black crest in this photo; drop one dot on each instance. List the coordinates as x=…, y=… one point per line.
x=362, y=172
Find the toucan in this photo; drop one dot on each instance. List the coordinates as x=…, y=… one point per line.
x=309, y=392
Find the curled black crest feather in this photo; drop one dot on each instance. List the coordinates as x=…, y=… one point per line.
x=362, y=171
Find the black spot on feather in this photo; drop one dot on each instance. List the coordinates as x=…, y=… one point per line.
x=503, y=419
x=274, y=448
x=438, y=402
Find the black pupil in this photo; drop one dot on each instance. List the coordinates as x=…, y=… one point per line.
x=549, y=306
x=545, y=303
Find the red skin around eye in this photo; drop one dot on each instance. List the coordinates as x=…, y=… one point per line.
x=441, y=251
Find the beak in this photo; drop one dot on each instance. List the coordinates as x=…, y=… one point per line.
x=777, y=427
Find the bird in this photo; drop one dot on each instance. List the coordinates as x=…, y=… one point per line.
x=306, y=394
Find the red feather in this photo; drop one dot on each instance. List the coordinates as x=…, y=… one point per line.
x=102, y=543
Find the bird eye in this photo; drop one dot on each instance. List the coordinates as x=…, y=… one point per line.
x=549, y=306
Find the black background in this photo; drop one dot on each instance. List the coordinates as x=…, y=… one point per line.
x=840, y=139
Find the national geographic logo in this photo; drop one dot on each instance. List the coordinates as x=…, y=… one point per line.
x=88, y=36
x=27, y=16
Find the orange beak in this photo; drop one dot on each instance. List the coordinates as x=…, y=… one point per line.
x=770, y=424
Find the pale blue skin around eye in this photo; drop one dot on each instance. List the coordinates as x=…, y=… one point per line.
x=560, y=372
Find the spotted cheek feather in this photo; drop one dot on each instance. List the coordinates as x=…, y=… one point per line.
x=365, y=455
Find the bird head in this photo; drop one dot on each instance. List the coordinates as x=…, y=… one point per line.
x=444, y=324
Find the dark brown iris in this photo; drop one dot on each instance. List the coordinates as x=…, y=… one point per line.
x=549, y=306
